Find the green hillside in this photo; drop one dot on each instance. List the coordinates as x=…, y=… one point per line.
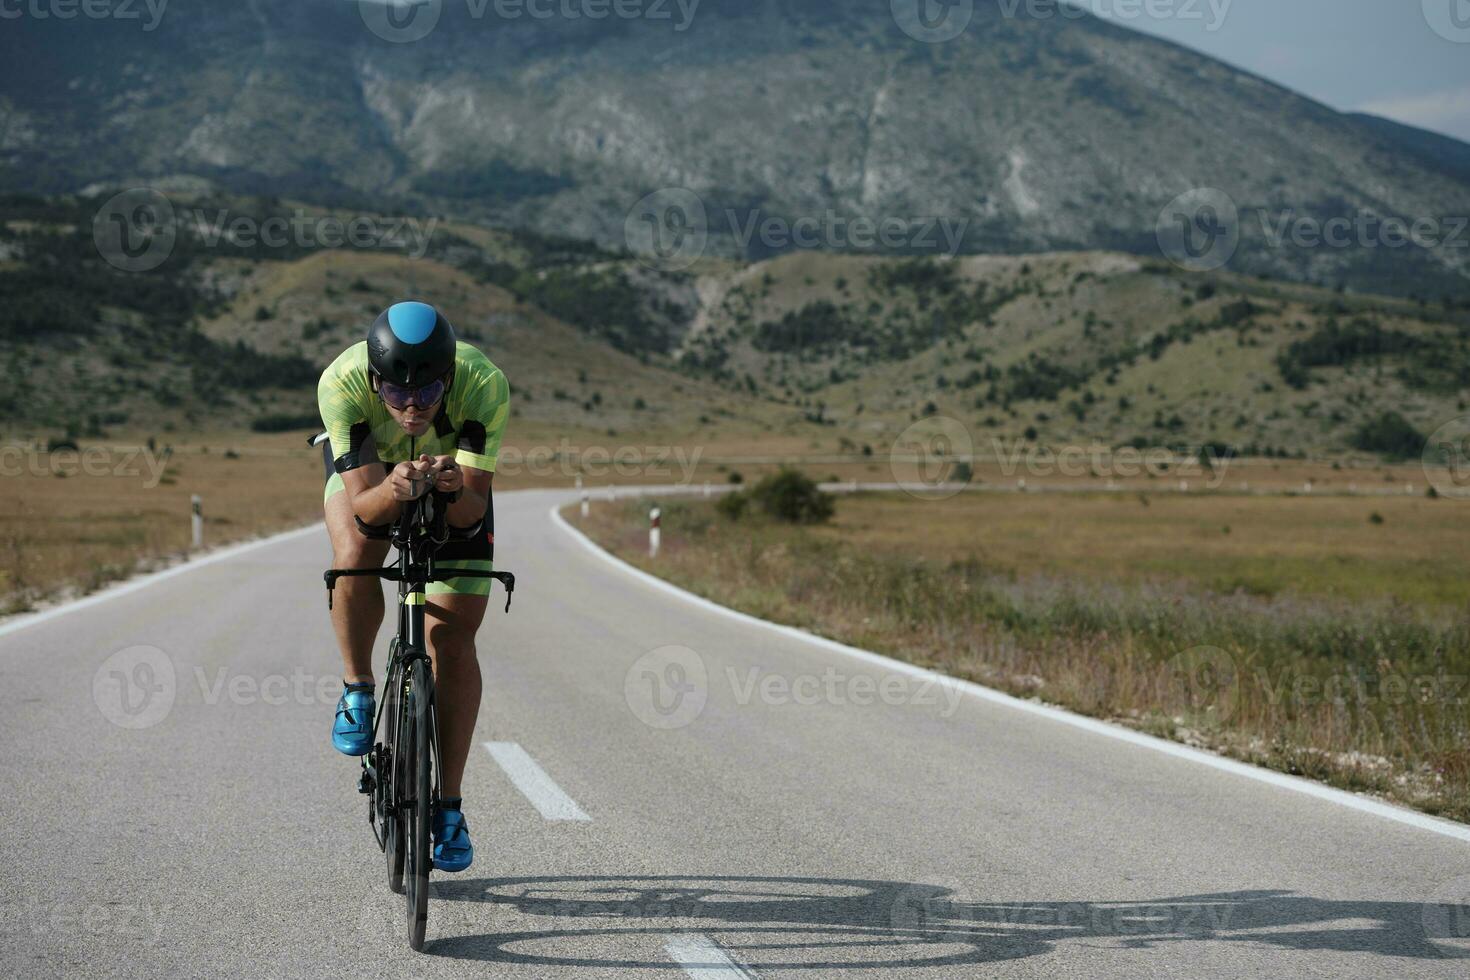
x=844, y=351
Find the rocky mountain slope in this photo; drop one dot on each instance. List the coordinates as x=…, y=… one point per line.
x=1026, y=134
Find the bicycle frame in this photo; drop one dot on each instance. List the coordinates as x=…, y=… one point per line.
x=417, y=535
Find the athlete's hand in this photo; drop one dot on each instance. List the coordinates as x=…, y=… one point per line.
x=448, y=477
x=410, y=481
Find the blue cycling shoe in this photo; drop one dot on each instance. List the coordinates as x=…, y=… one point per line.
x=452, y=848
x=352, y=733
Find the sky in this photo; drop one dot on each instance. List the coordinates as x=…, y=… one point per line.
x=1408, y=60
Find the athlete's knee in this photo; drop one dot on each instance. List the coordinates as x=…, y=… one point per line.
x=448, y=645
x=353, y=550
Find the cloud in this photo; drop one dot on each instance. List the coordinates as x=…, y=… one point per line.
x=1446, y=111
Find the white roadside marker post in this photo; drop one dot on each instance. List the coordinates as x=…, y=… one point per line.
x=582, y=491
x=196, y=520
x=654, y=532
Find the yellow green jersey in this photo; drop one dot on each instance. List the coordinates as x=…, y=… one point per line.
x=469, y=426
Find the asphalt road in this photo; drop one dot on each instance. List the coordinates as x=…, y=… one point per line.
x=661, y=790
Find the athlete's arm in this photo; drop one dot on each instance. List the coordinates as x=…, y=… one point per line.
x=472, y=485
x=487, y=408
x=379, y=499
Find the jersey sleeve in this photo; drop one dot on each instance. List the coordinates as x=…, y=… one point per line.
x=340, y=403
x=486, y=411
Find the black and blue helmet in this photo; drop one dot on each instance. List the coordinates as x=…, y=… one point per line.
x=411, y=344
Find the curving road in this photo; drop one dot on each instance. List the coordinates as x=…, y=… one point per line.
x=662, y=790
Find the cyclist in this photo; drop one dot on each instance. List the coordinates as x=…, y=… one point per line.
x=408, y=409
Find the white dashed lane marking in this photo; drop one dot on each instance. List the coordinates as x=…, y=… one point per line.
x=547, y=797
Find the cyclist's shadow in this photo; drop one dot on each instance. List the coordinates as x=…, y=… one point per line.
x=778, y=923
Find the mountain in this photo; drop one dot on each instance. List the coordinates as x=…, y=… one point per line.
x=1027, y=134
x=1443, y=154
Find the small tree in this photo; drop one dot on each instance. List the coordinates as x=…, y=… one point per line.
x=1391, y=435
x=792, y=497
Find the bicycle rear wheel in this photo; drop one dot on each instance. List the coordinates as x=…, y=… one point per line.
x=418, y=792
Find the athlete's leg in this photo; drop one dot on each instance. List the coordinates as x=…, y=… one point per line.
x=451, y=622
x=357, y=607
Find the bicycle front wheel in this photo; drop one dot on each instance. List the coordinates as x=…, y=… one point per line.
x=417, y=812
x=391, y=780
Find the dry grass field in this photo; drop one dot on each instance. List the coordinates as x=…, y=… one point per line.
x=84, y=518
x=1318, y=546
x=1310, y=637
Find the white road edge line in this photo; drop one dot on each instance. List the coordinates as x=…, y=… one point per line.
x=152, y=578
x=534, y=784
x=1295, y=784
x=702, y=959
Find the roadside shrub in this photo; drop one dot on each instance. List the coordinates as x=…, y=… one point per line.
x=732, y=506
x=1391, y=435
x=792, y=497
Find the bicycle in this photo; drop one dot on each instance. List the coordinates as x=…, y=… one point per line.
x=400, y=773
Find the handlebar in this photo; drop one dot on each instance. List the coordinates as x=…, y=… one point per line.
x=427, y=515
x=391, y=574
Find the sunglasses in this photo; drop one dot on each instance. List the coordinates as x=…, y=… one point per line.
x=399, y=397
